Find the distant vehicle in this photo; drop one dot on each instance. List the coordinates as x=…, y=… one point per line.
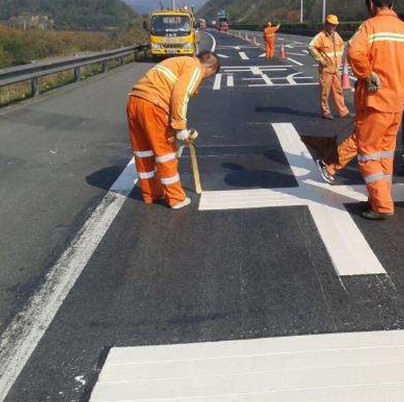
x=172, y=32
x=202, y=24
x=223, y=21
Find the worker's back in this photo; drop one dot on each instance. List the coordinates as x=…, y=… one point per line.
x=378, y=46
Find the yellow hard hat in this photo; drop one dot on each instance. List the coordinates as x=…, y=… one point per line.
x=332, y=19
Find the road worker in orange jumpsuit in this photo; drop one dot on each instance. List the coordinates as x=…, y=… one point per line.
x=269, y=39
x=327, y=47
x=376, y=56
x=157, y=120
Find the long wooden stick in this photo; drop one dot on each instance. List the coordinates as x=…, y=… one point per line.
x=195, y=169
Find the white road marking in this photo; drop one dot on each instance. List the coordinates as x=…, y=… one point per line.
x=360, y=367
x=262, y=55
x=230, y=81
x=347, y=247
x=294, y=61
x=243, y=56
x=218, y=82
x=301, y=84
x=248, y=68
x=213, y=48
x=297, y=54
x=223, y=56
x=20, y=339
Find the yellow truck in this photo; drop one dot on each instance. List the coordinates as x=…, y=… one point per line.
x=173, y=32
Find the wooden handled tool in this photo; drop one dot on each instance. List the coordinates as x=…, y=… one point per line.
x=195, y=169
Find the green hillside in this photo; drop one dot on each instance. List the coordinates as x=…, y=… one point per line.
x=258, y=11
x=71, y=14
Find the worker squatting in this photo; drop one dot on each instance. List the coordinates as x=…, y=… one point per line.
x=157, y=107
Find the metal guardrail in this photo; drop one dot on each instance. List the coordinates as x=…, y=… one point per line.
x=34, y=71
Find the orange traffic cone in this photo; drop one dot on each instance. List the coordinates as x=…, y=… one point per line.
x=254, y=41
x=282, y=53
x=345, y=80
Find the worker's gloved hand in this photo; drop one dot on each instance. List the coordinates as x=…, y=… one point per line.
x=183, y=135
x=187, y=135
x=373, y=82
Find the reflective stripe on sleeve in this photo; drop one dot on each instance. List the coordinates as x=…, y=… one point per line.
x=190, y=90
x=376, y=156
x=170, y=180
x=386, y=36
x=166, y=158
x=167, y=72
x=147, y=175
x=143, y=154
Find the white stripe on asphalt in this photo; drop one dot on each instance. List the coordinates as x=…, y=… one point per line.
x=20, y=339
x=213, y=48
x=294, y=61
x=359, y=367
x=243, y=56
x=348, y=249
x=218, y=82
x=230, y=81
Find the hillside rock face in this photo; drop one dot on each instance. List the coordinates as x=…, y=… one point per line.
x=258, y=11
x=71, y=14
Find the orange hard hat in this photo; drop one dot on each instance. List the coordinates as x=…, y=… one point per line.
x=332, y=19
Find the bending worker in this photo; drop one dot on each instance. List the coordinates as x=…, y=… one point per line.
x=376, y=56
x=327, y=47
x=269, y=39
x=157, y=117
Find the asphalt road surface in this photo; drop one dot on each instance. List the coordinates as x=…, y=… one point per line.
x=268, y=250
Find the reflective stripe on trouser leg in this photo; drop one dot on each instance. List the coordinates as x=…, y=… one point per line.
x=376, y=137
x=167, y=167
x=338, y=95
x=325, y=88
x=149, y=183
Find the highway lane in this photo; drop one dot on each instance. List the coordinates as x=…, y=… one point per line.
x=198, y=275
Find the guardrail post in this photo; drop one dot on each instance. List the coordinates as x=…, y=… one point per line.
x=35, y=86
x=104, y=66
x=77, y=74
x=121, y=61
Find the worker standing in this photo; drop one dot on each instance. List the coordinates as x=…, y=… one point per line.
x=327, y=47
x=157, y=118
x=376, y=56
x=270, y=39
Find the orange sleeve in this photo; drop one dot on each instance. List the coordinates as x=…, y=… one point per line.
x=186, y=86
x=315, y=48
x=358, y=53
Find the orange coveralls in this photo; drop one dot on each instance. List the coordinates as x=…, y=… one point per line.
x=157, y=106
x=328, y=50
x=269, y=38
x=378, y=46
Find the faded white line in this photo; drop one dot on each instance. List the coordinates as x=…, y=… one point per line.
x=243, y=56
x=218, y=82
x=22, y=336
x=294, y=61
x=213, y=48
x=230, y=81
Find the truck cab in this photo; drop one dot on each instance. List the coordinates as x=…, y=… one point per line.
x=173, y=32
